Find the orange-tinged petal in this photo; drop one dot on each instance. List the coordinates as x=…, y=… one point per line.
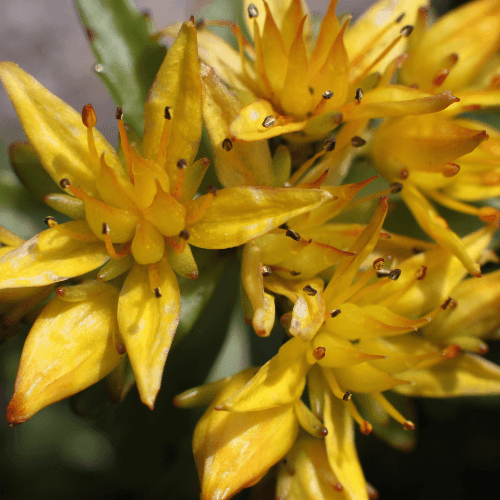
x=328, y=32
x=115, y=190
x=234, y=450
x=183, y=263
x=50, y=257
x=341, y=449
x=55, y=130
x=279, y=382
x=436, y=227
x=397, y=100
x=253, y=283
x=237, y=215
x=466, y=375
x=237, y=163
x=290, y=26
x=70, y=346
x=147, y=325
x=177, y=85
x=248, y=125
x=472, y=99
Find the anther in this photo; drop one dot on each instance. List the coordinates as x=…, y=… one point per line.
x=404, y=174
x=359, y=95
x=450, y=169
x=396, y=187
x=335, y=313
x=409, y=426
x=212, y=189
x=64, y=183
x=378, y=263
x=329, y=144
x=319, y=353
x=400, y=18
x=295, y=273
x=105, y=228
x=446, y=303
x=89, y=118
x=366, y=428
x=395, y=274
x=451, y=352
x=50, y=221
x=327, y=95
x=421, y=273
x=292, y=234
x=119, y=113
x=227, y=145
x=347, y=396
x=357, y=142
x=310, y=290
x=267, y=270
x=167, y=115
x=157, y=292
x=184, y=234
x=181, y=164
x=406, y=30
x=269, y=121
x=252, y=11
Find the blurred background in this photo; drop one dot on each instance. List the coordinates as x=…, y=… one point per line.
x=82, y=449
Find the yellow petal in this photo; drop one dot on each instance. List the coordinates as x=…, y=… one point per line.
x=166, y=214
x=234, y=450
x=290, y=26
x=237, y=215
x=248, y=125
x=397, y=100
x=341, y=449
x=50, y=257
x=148, y=245
x=253, y=283
x=467, y=375
x=279, y=382
x=183, y=263
x=277, y=247
x=70, y=346
x=55, y=130
x=236, y=163
x=147, y=325
x=177, y=85
x=436, y=227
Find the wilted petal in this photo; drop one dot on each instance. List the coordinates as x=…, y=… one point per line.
x=237, y=215
x=148, y=323
x=70, y=347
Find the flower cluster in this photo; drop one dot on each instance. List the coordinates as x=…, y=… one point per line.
x=363, y=310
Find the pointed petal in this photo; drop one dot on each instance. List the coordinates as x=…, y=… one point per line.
x=236, y=163
x=467, y=375
x=70, y=347
x=237, y=215
x=328, y=31
x=50, y=257
x=177, y=85
x=55, y=130
x=147, y=325
x=279, y=382
x=341, y=449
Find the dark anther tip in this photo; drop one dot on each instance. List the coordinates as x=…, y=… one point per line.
x=119, y=113
x=167, y=113
x=227, y=145
x=292, y=234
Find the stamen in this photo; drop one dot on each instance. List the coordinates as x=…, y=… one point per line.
x=267, y=271
x=406, y=31
x=334, y=313
x=359, y=95
x=89, y=119
x=109, y=245
x=400, y=18
x=334, y=386
x=269, y=121
x=227, y=145
x=52, y=223
x=154, y=279
x=319, y=353
x=364, y=426
x=421, y=273
x=384, y=403
x=66, y=184
x=329, y=144
x=446, y=303
x=124, y=142
x=357, y=142
x=394, y=188
x=378, y=264
x=184, y=234
x=303, y=169
x=196, y=216
x=252, y=11
x=292, y=234
x=212, y=189
x=310, y=290
x=327, y=95
x=181, y=165
x=161, y=157
x=177, y=246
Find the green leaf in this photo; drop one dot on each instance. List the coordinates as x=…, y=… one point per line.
x=128, y=58
x=29, y=170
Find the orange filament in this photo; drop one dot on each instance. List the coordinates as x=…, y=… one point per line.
x=178, y=185
x=364, y=426
x=77, y=192
x=303, y=169
x=384, y=403
x=443, y=72
x=161, y=157
x=334, y=386
x=196, y=216
x=350, y=292
x=126, y=148
x=52, y=223
x=177, y=245
x=393, y=188
x=111, y=249
x=317, y=183
x=154, y=277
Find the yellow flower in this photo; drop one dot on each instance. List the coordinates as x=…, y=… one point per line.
x=135, y=217
x=291, y=84
x=436, y=156
x=377, y=335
